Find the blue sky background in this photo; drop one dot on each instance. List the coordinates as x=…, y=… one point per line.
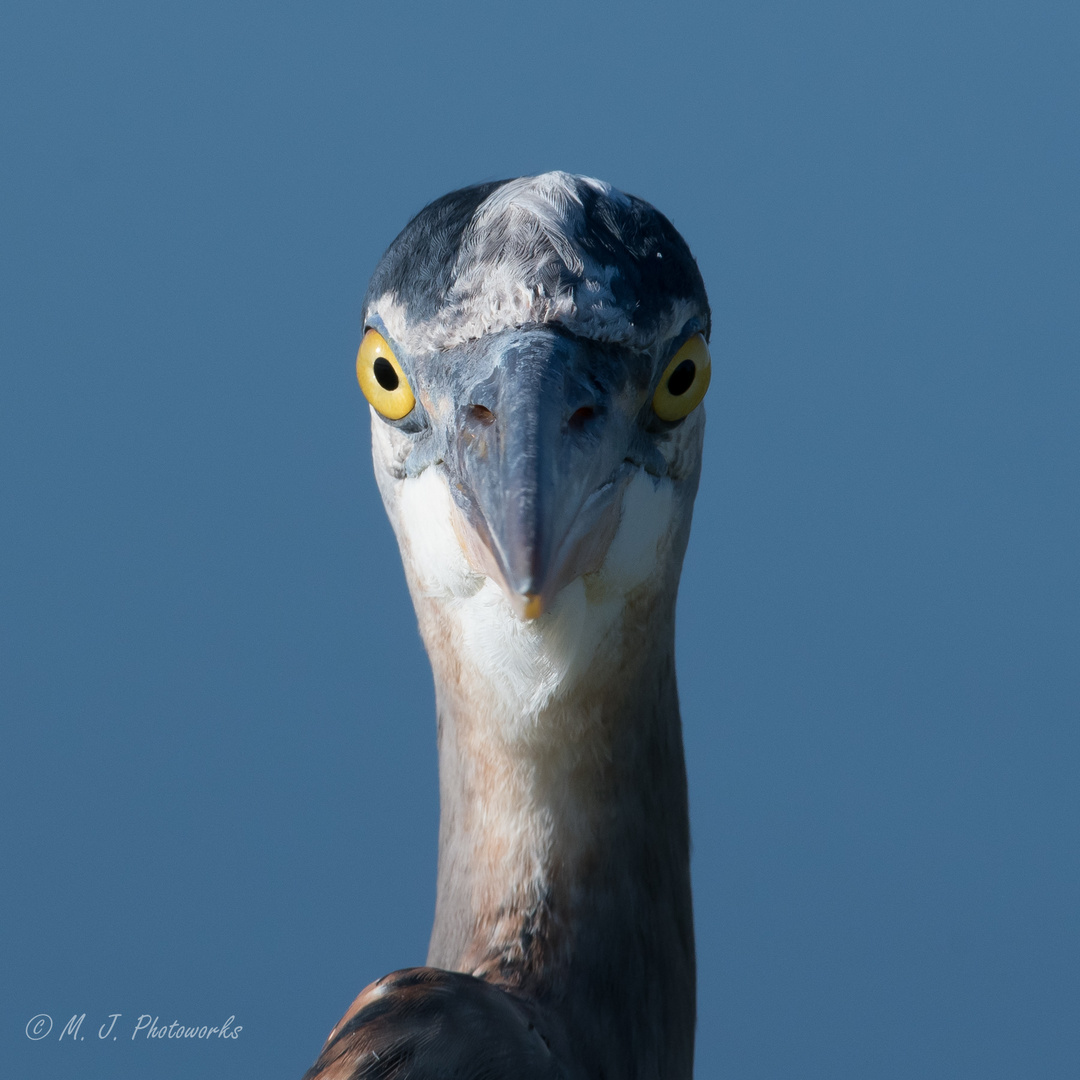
x=218, y=787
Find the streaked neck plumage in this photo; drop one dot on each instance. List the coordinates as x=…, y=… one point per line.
x=564, y=837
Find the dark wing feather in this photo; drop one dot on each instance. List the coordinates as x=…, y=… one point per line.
x=429, y=1024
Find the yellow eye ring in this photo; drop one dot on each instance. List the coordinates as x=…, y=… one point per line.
x=684, y=382
x=381, y=378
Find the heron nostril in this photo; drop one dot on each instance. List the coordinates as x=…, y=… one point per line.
x=481, y=415
x=581, y=417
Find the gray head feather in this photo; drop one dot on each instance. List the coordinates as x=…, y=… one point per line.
x=554, y=248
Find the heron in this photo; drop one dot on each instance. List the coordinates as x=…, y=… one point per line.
x=534, y=355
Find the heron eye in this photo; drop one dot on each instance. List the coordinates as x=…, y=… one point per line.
x=684, y=382
x=381, y=378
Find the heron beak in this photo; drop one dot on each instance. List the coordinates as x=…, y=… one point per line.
x=538, y=468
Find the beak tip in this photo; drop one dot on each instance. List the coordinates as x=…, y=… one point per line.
x=532, y=606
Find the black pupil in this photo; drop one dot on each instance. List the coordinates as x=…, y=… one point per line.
x=680, y=379
x=386, y=376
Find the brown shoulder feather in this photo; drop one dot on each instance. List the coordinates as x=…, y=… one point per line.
x=429, y=1024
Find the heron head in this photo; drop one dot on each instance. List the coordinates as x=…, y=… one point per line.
x=535, y=354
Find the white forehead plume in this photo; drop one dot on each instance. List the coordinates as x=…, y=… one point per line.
x=520, y=263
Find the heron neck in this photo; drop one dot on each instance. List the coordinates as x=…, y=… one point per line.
x=564, y=846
